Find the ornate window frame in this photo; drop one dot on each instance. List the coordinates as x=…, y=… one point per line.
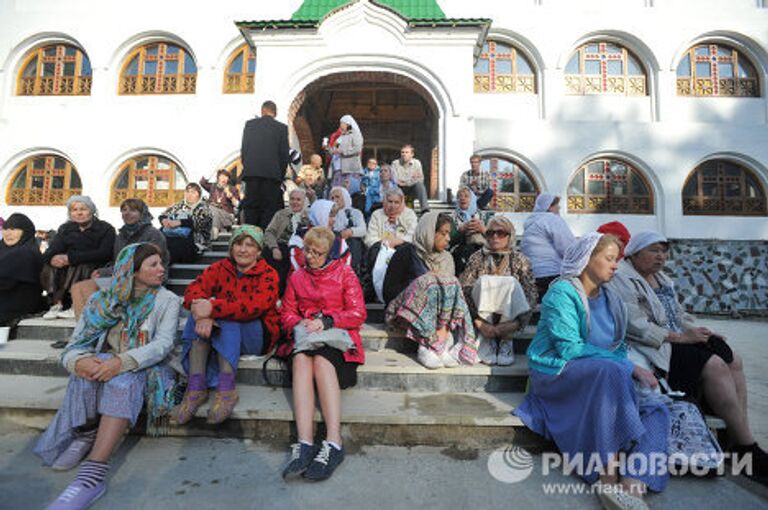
x=58, y=84
x=505, y=201
x=714, y=85
x=40, y=172
x=243, y=81
x=721, y=203
x=513, y=82
x=602, y=83
x=168, y=53
x=146, y=187
x=583, y=200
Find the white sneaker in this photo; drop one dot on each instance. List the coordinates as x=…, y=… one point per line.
x=428, y=358
x=69, y=313
x=53, y=313
x=446, y=357
x=486, y=352
x=506, y=353
x=214, y=233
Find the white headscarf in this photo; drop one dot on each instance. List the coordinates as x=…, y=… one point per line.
x=354, y=129
x=576, y=256
x=320, y=212
x=345, y=195
x=544, y=202
x=642, y=240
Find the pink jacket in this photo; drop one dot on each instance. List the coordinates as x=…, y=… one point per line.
x=333, y=290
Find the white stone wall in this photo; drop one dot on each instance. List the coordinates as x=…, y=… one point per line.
x=664, y=135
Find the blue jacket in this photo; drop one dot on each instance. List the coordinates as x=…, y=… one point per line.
x=563, y=329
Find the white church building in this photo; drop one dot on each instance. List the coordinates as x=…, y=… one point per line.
x=650, y=112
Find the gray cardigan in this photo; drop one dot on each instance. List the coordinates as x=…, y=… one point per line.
x=161, y=326
x=647, y=324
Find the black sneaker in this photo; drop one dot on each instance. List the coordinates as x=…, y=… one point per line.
x=300, y=458
x=759, y=461
x=326, y=461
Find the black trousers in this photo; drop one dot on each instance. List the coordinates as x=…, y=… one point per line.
x=263, y=198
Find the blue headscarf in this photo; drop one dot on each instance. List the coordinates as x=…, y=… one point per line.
x=466, y=214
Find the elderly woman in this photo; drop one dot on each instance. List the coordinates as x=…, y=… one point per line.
x=81, y=245
x=117, y=361
x=223, y=198
x=425, y=299
x=233, y=304
x=347, y=150
x=187, y=226
x=545, y=237
x=350, y=225
x=323, y=302
x=284, y=225
x=20, y=265
x=137, y=228
x=311, y=177
x=467, y=235
x=581, y=387
x=694, y=359
x=500, y=292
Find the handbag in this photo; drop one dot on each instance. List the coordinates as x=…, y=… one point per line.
x=336, y=338
x=380, y=270
x=691, y=443
x=177, y=231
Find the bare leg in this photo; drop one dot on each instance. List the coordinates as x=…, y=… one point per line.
x=722, y=396
x=304, y=396
x=111, y=430
x=737, y=373
x=330, y=398
x=81, y=291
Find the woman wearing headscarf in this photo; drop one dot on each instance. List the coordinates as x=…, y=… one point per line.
x=284, y=225
x=223, y=198
x=425, y=299
x=322, y=213
x=187, y=226
x=137, y=228
x=233, y=312
x=663, y=337
x=581, y=391
x=350, y=225
x=500, y=291
x=545, y=237
x=323, y=297
x=20, y=265
x=348, y=148
x=81, y=245
x=117, y=361
x=467, y=234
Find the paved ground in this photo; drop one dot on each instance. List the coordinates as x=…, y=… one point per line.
x=210, y=473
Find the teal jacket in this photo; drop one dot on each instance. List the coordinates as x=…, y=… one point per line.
x=563, y=328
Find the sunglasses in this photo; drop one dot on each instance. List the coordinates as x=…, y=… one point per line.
x=496, y=233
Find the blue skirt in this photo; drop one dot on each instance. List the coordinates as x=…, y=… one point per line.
x=592, y=407
x=231, y=339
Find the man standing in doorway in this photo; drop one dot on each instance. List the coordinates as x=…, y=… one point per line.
x=409, y=176
x=479, y=181
x=264, y=153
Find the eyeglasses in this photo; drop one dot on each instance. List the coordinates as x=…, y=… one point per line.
x=313, y=253
x=496, y=233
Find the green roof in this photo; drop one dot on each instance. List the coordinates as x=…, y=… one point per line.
x=315, y=10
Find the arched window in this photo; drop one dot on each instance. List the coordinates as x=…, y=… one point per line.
x=46, y=179
x=158, y=68
x=241, y=70
x=156, y=180
x=514, y=188
x=501, y=68
x=711, y=70
x=55, y=70
x=609, y=186
x=721, y=187
x=604, y=68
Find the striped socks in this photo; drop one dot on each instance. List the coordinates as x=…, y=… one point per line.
x=92, y=473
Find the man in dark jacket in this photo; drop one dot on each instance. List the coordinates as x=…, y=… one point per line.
x=264, y=154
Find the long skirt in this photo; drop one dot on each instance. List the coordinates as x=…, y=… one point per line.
x=592, y=407
x=84, y=401
x=230, y=339
x=430, y=303
x=58, y=281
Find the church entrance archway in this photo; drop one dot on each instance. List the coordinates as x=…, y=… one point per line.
x=391, y=110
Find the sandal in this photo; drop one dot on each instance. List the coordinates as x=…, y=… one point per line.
x=192, y=401
x=223, y=404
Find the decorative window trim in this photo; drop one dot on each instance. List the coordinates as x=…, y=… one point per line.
x=720, y=204
x=44, y=195
x=626, y=84
x=586, y=202
x=713, y=85
x=180, y=82
x=242, y=82
x=150, y=194
x=507, y=83
x=514, y=201
x=59, y=84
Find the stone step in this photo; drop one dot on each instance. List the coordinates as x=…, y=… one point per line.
x=186, y=271
x=375, y=336
x=384, y=370
x=466, y=420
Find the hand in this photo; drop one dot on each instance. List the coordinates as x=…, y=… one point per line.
x=87, y=367
x=346, y=233
x=203, y=328
x=108, y=369
x=60, y=261
x=95, y=274
x=312, y=325
x=277, y=254
x=694, y=336
x=166, y=223
x=201, y=309
x=645, y=377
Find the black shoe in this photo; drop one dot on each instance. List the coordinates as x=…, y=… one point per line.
x=59, y=344
x=300, y=458
x=326, y=461
x=759, y=462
